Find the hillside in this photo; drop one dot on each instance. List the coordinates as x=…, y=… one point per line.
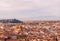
x=10, y=21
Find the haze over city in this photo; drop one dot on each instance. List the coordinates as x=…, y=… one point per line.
x=29, y=20
x=30, y=9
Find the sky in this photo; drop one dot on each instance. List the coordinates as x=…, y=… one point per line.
x=30, y=9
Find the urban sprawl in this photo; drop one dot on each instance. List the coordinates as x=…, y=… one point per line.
x=30, y=31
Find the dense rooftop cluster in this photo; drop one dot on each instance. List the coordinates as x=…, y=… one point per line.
x=36, y=31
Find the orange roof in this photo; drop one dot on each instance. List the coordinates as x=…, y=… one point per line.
x=12, y=40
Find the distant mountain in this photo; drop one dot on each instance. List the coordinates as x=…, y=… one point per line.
x=10, y=21
x=45, y=18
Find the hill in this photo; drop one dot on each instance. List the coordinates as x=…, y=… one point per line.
x=10, y=21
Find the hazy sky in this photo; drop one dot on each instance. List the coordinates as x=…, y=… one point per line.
x=25, y=9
